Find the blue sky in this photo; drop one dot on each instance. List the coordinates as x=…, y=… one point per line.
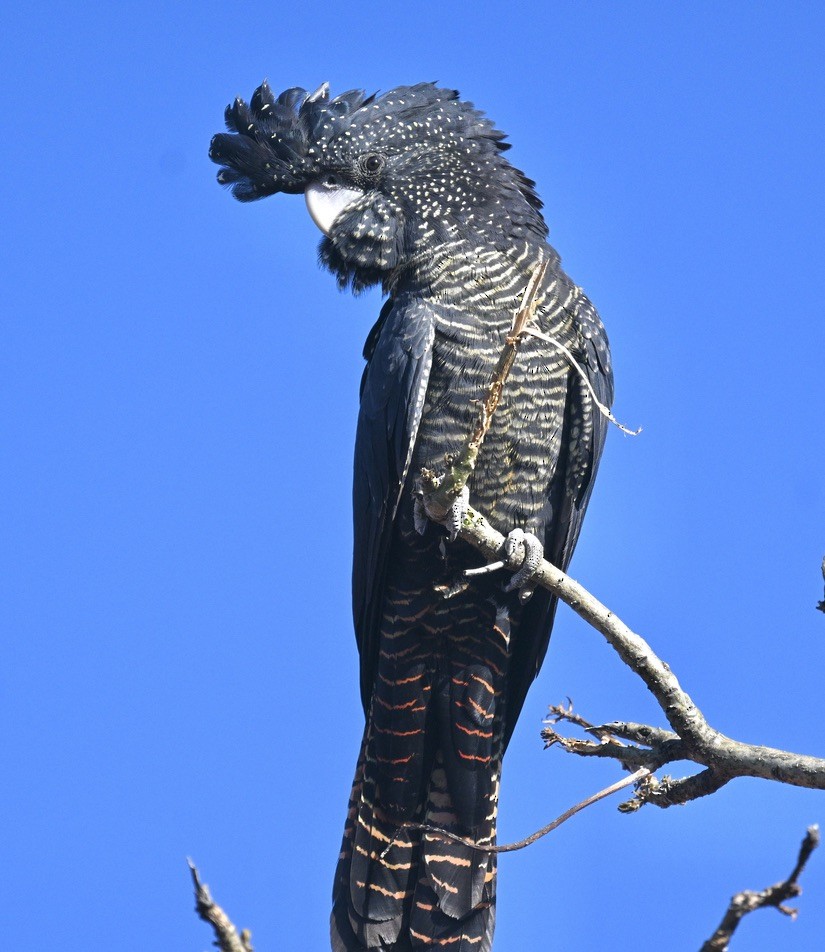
x=179, y=390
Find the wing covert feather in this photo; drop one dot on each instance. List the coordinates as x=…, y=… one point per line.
x=399, y=354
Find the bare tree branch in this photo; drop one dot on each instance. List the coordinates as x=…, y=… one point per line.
x=661, y=746
x=747, y=900
x=694, y=739
x=699, y=742
x=638, y=776
x=227, y=938
x=821, y=605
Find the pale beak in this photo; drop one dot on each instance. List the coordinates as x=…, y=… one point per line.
x=326, y=201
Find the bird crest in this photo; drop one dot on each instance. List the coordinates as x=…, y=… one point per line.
x=413, y=169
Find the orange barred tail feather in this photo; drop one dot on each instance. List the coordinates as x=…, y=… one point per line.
x=403, y=890
x=375, y=877
x=399, y=888
x=454, y=901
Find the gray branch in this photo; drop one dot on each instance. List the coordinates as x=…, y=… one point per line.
x=227, y=937
x=775, y=896
x=692, y=738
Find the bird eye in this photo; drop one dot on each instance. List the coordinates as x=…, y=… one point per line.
x=371, y=163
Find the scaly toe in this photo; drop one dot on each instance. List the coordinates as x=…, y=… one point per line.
x=517, y=541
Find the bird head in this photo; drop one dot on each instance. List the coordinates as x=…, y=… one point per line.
x=388, y=179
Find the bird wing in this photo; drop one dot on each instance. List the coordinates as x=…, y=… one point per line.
x=399, y=355
x=583, y=436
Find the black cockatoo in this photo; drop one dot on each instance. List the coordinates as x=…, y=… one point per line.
x=413, y=191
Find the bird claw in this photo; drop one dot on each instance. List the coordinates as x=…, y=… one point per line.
x=452, y=519
x=486, y=569
x=517, y=542
x=522, y=551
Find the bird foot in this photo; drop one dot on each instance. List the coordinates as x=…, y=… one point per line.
x=523, y=552
x=424, y=511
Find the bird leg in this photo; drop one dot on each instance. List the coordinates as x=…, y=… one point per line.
x=426, y=510
x=519, y=541
x=522, y=552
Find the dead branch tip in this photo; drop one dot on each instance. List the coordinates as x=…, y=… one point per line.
x=227, y=937
x=775, y=896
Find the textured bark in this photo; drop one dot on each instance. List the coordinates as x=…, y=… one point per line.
x=227, y=937
x=692, y=738
x=775, y=896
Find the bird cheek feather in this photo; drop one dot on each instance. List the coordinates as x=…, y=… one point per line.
x=368, y=233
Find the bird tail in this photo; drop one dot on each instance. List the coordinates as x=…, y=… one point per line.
x=401, y=885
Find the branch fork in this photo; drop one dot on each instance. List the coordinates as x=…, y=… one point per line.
x=691, y=737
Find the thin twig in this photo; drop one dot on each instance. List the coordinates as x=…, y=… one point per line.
x=604, y=410
x=821, y=605
x=227, y=938
x=635, y=777
x=747, y=900
x=565, y=712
